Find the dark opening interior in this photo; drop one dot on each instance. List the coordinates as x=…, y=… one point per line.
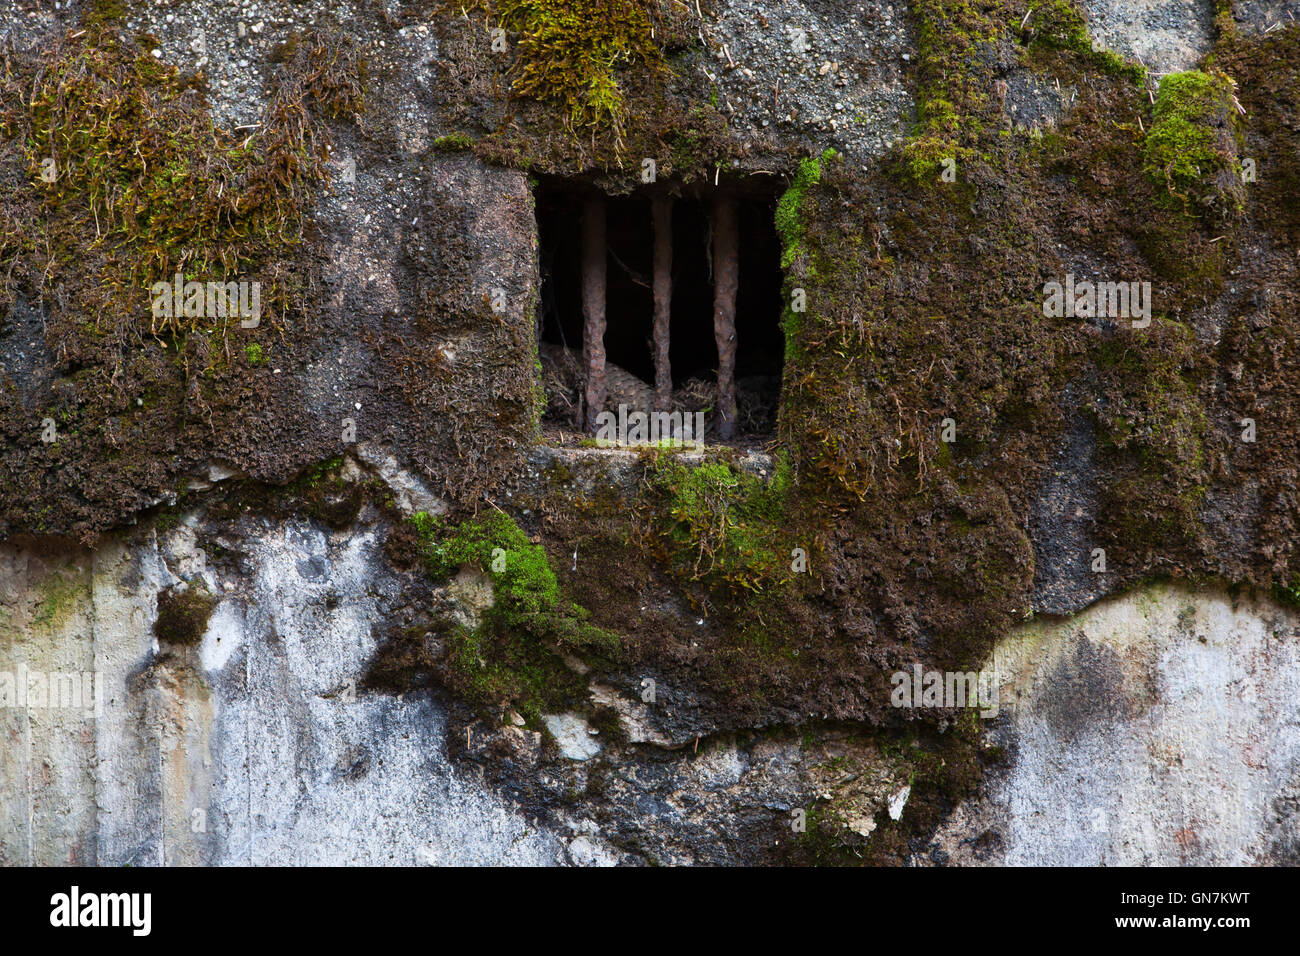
x=629, y=299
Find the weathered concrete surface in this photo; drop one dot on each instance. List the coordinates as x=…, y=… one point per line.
x=819, y=72
x=1158, y=728
x=252, y=748
x=1264, y=16
x=1166, y=35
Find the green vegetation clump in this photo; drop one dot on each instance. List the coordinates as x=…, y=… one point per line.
x=568, y=51
x=98, y=12
x=1058, y=24
x=122, y=181
x=135, y=158
x=516, y=653
x=790, y=227
x=60, y=596
x=594, y=85
x=957, y=40
x=1288, y=593
x=522, y=577
x=1224, y=24
x=1191, y=148
x=322, y=493
x=453, y=143
x=788, y=224
x=725, y=527
x=335, y=74
x=953, y=102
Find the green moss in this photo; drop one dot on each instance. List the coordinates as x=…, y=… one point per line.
x=1288, y=593
x=1059, y=25
x=596, y=83
x=59, y=596
x=1190, y=149
x=146, y=189
x=253, y=352
x=724, y=527
x=168, y=518
x=335, y=74
x=1224, y=24
x=453, y=143
x=789, y=226
x=104, y=11
x=953, y=104
x=822, y=842
x=321, y=493
x=145, y=186
x=516, y=654
x=957, y=40
x=569, y=50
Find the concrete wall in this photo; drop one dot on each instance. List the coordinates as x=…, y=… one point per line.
x=1158, y=727
x=252, y=748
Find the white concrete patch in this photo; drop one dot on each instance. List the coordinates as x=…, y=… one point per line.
x=588, y=851
x=255, y=748
x=897, y=802
x=224, y=636
x=1158, y=728
x=633, y=717
x=409, y=492
x=573, y=736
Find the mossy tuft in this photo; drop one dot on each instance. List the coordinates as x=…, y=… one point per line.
x=1191, y=148
x=724, y=527
x=183, y=615
x=789, y=226
x=517, y=653
x=569, y=50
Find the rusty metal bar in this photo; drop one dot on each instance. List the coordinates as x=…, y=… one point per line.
x=662, y=211
x=726, y=271
x=593, y=309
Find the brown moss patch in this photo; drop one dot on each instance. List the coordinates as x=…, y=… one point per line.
x=143, y=185
x=183, y=614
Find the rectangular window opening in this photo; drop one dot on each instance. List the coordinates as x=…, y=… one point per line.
x=629, y=224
